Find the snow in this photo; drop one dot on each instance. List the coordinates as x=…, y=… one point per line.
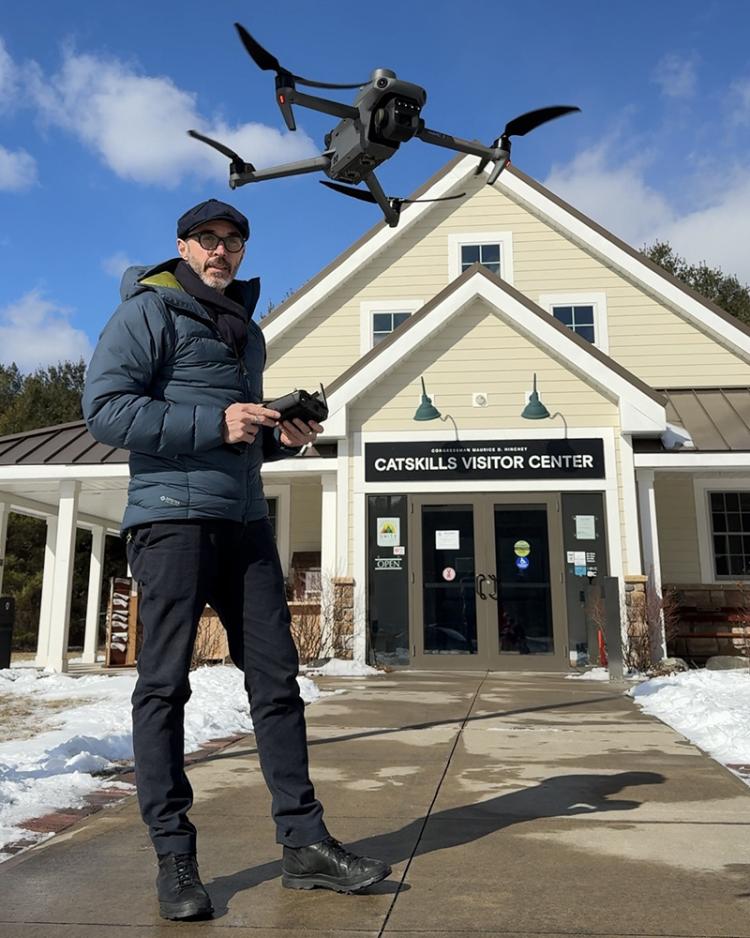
x=340, y=667
x=602, y=674
x=54, y=768
x=710, y=708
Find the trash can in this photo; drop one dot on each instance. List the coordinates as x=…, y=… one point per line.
x=7, y=620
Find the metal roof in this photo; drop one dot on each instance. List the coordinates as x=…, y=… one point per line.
x=716, y=419
x=71, y=444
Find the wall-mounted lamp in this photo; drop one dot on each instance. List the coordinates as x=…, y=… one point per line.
x=428, y=411
x=535, y=410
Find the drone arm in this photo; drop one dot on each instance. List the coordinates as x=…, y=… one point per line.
x=336, y=108
x=314, y=165
x=456, y=143
x=391, y=213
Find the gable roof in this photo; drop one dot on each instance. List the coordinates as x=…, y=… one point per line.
x=642, y=408
x=734, y=334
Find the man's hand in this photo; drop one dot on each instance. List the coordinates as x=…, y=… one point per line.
x=298, y=433
x=242, y=422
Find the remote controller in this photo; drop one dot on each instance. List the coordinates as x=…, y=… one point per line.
x=300, y=404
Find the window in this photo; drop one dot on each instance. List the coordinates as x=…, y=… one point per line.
x=378, y=319
x=580, y=319
x=583, y=312
x=730, y=533
x=383, y=324
x=488, y=255
x=491, y=249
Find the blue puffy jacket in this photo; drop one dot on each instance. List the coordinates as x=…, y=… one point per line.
x=158, y=384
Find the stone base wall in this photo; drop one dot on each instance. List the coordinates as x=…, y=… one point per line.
x=712, y=620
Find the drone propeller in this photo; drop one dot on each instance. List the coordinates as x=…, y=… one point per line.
x=364, y=196
x=519, y=127
x=269, y=63
x=223, y=148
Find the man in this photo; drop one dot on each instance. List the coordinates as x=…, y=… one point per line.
x=176, y=379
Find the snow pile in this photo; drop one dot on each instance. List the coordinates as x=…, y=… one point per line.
x=53, y=769
x=595, y=674
x=340, y=667
x=710, y=708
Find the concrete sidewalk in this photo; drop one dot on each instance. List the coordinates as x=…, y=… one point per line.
x=508, y=804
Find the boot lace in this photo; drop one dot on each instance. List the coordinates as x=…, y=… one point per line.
x=340, y=850
x=184, y=865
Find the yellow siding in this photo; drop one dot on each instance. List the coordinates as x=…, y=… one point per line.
x=677, y=527
x=645, y=336
x=305, y=516
x=477, y=351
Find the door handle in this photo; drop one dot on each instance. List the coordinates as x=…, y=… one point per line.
x=478, y=581
x=493, y=578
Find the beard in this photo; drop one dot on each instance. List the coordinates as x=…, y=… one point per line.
x=217, y=277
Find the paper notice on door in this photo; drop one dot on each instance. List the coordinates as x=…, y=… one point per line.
x=585, y=527
x=447, y=540
x=579, y=558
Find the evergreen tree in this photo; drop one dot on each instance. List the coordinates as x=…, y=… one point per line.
x=725, y=290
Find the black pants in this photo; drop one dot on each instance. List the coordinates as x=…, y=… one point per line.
x=181, y=566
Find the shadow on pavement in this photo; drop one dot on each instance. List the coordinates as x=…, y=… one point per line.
x=557, y=797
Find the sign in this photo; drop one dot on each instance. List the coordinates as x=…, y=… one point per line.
x=522, y=548
x=447, y=540
x=449, y=574
x=522, y=563
x=399, y=551
x=485, y=459
x=389, y=532
x=585, y=527
x=388, y=563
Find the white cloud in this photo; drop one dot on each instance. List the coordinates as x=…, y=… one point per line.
x=116, y=264
x=138, y=124
x=8, y=78
x=740, y=101
x=36, y=332
x=616, y=194
x=17, y=170
x=676, y=76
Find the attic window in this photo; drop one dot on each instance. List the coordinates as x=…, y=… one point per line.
x=579, y=319
x=488, y=255
x=383, y=324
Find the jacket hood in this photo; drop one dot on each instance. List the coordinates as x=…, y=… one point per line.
x=161, y=279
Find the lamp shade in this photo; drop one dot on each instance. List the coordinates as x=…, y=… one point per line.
x=426, y=410
x=534, y=410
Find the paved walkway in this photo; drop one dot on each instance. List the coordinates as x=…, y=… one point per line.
x=508, y=805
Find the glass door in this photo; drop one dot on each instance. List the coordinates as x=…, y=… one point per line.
x=486, y=582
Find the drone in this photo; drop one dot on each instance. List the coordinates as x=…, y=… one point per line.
x=385, y=114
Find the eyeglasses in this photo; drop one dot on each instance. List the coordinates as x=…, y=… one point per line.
x=210, y=241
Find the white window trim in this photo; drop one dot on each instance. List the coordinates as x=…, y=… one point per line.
x=283, y=520
x=503, y=238
x=596, y=299
x=367, y=308
x=701, y=489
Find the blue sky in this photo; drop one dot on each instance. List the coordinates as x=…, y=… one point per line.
x=95, y=100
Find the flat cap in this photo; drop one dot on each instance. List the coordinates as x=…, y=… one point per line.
x=212, y=210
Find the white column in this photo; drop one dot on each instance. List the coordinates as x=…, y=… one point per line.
x=328, y=559
x=4, y=512
x=62, y=588
x=96, y=566
x=48, y=582
x=650, y=536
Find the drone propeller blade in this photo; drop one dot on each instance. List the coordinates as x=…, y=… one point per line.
x=262, y=58
x=221, y=147
x=269, y=63
x=521, y=125
x=361, y=194
x=445, y=198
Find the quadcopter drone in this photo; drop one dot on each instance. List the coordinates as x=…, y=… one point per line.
x=385, y=114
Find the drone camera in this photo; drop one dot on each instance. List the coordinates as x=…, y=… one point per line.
x=397, y=120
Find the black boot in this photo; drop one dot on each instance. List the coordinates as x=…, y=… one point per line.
x=181, y=892
x=329, y=865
